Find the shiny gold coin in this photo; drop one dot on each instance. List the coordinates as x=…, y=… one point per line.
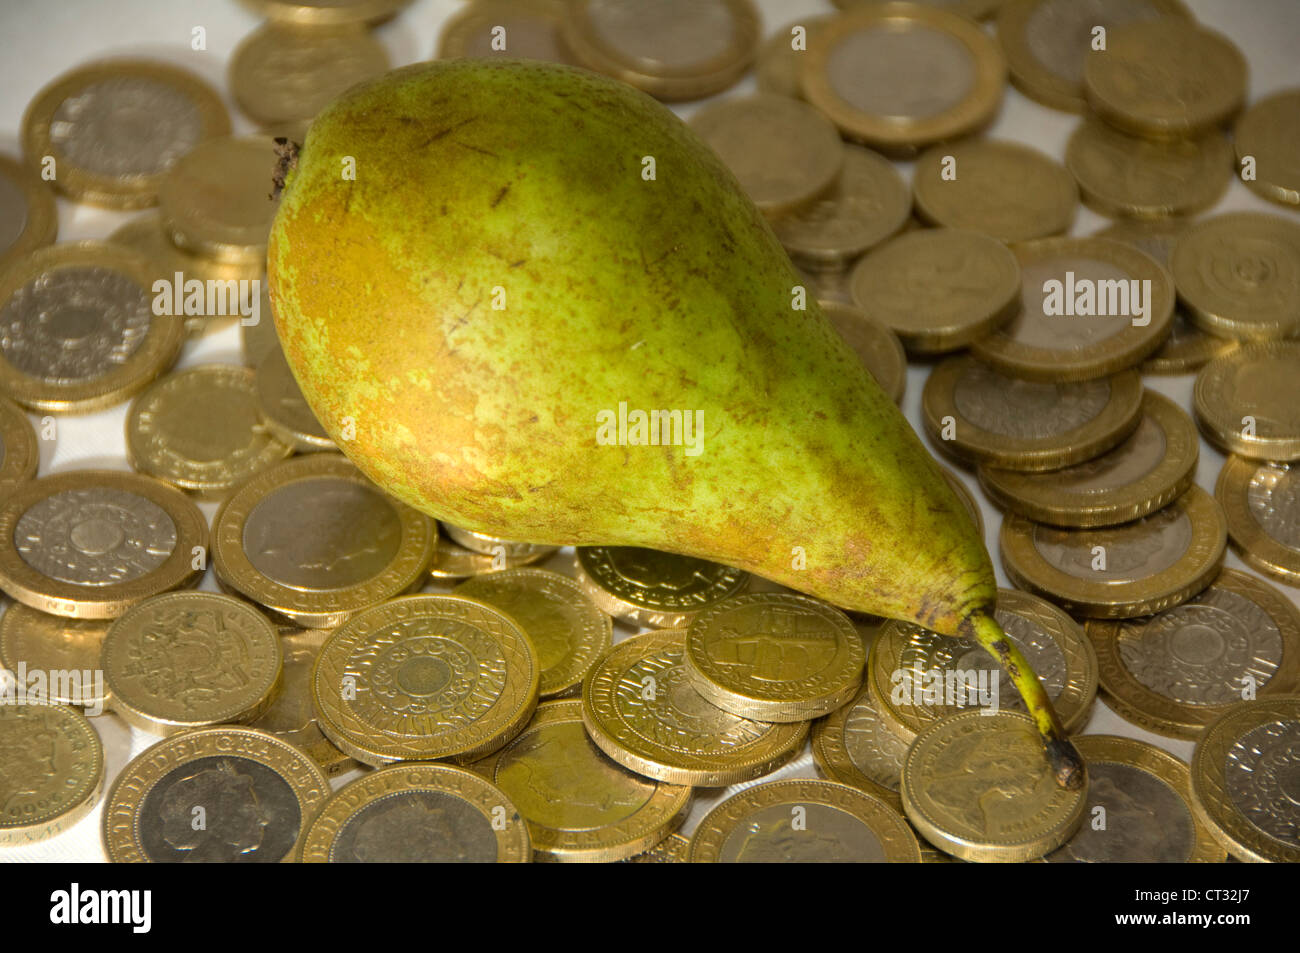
x=1165, y=78
x=27, y=210
x=1269, y=133
x=938, y=289
x=1150, y=469
x=80, y=330
x=67, y=652
x=259, y=339
x=19, y=453
x=326, y=12
x=452, y=561
x=1124, y=571
x=977, y=787
x=673, y=849
x=418, y=813
x=1261, y=502
x=877, y=346
x=803, y=822
x=517, y=29
x=254, y=793
x=1243, y=780
x=899, y=77
x=975, y=413
x=54, y=770
x=314, y=541
x=283, y=409
x=116, y=127
x=640, y=708
x=1248, y=401
x=89, y=544
x=645, y=587
x=856, y=745
x=780, y=60
x=508, y=550
x=1089, y=307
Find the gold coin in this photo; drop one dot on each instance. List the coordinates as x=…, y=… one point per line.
x=283, y=409
x=1165, y=78
x=116, y=127
x=27, y=209
x=425, y=677
x=1000, y=188
x=974, y=9
x=1248, y=401
x=1175, y=672
x=1261, y=502
x=518, y=29
x=1119, y=572
x=938, y=289
x=965, y=496
x=780, y=60
x=858, y=746
x=1145, y=796
x=900, y=76
x=828, y=285
x=67, y=651
x=640, y=708
x=326, y=12
x=89, y=544
x=1089, y=307
x=580, y=805
x=80, y=331
x=19, y=453
x=1153, y=467
x=976, y=413
x=418, y=813
x=673, y=849
x=878, y=347
x=452, y=562
x=1243, y=774
x=313, y=540
x=57, y=765
x=259, y=339
x=253, y=792
x=516, y=552
x=645, y=587
x=978, y=787
x=802, y=822
x=1269, y=133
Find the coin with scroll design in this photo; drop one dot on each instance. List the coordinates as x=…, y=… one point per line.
x=19, y=452
x=1262, y=504
x=876, y=345
x=28, y=216
x=51, y=771
x=651, y=588
x=517, y=29
x=1247, y=402
x=53, y=644
x=283, y=409
x=1269, y=133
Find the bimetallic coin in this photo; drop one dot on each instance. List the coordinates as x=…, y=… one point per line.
x=1175, y=672
x=28, y=217
x=1269, y=133
x=418, y=813
x=326, y=12
x=518, y=29
x=253, y=793
x=877, y=346
x=89, y=544
x=645, y=587
x=1247, y=402
x=803, y=822
x=67, y=653
x=516, y=552
x=284, y=410
x=780, y=61
x=53, y=770
x=857, y=746
x=19, y=453
x=1119, y=572
x=1261, y=502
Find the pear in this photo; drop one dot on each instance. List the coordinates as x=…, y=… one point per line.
x=528, y=300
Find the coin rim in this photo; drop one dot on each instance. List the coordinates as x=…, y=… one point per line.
x=20, y=454
x=1251, y=541
x=41, y=226
x=831, y=754
x=638, y=613
x=12, y=622
x=1209, y=404
x=1243, y=130
x=47, y=824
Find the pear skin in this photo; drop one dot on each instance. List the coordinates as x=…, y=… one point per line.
x=476, y=264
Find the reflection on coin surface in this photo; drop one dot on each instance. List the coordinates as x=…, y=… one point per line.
x=518, y=29
x=1262, y=504
x=52, y=644
x=876, y=345
x=28, y=216
x=1269, y=132
x=650, y=588
x=53, y=769
x=1248, y=401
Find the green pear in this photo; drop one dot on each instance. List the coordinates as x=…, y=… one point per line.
x=484, y=273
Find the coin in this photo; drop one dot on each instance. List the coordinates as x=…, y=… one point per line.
x=27, y=210
x=1261, y=502
x=1247, y=402
x=523, y=29
x=258, y=339
x=801, y=822
x=1269, y=133
x=116, y=127
x=673, y=849
x=88, y=544
x=645, y=587
x=580, y=805
x=783, y=152
x=1144, y=795
x=965, y=496
x=418, y=813
x=66, y=651
x=673, y=49
x=224, y=794
x=828, y=285
x=313, y=540
x=938, y=289
x=1119, y=572
x=284, y=411
x=451, y=561
x=54, y=770
x=518, y=553
x=898, y=77
x=1090, y=307
x=977, y=787
x=780, y=60
x=326, y=12
x=1165, y=78
x=974, y=9
x=1154, y=466
x=1238, y=275
x=856, y=745
x=640, y=708
x=19, y=453
x=425, y=677
x=878, y=347
x=975, y=413
x=79, y=330
x=1242, y=780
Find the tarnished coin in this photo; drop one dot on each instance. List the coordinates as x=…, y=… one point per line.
x=673, y=849
x=856, y=745
x=938, y=289
x=514, y=552
x=418, y=813
x=326, y=12
x=1146, y=796
x=1268, y=134
x=1247, y=402
x=650, y=588
x=1124, y=571
x=1154, y=466
x=876, y=345
x=1089, y=307
x=313, y=540
x=54, y=770
x=977, y=787
x=781, y=58
x=640, y=708
x=803, y=822
x=518, y=29
x=114, y=128
x=254, y=793
x=1243, y=780
x=67, y=652
x=19, y=453
x=900, y=76
x=978, y=414
x=283, y=410
x=580, y=805
x=1261, y=502
x=28, y=217
x=782, y=151
x=1165, y=78
x=88, y=544
x=80, y=332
